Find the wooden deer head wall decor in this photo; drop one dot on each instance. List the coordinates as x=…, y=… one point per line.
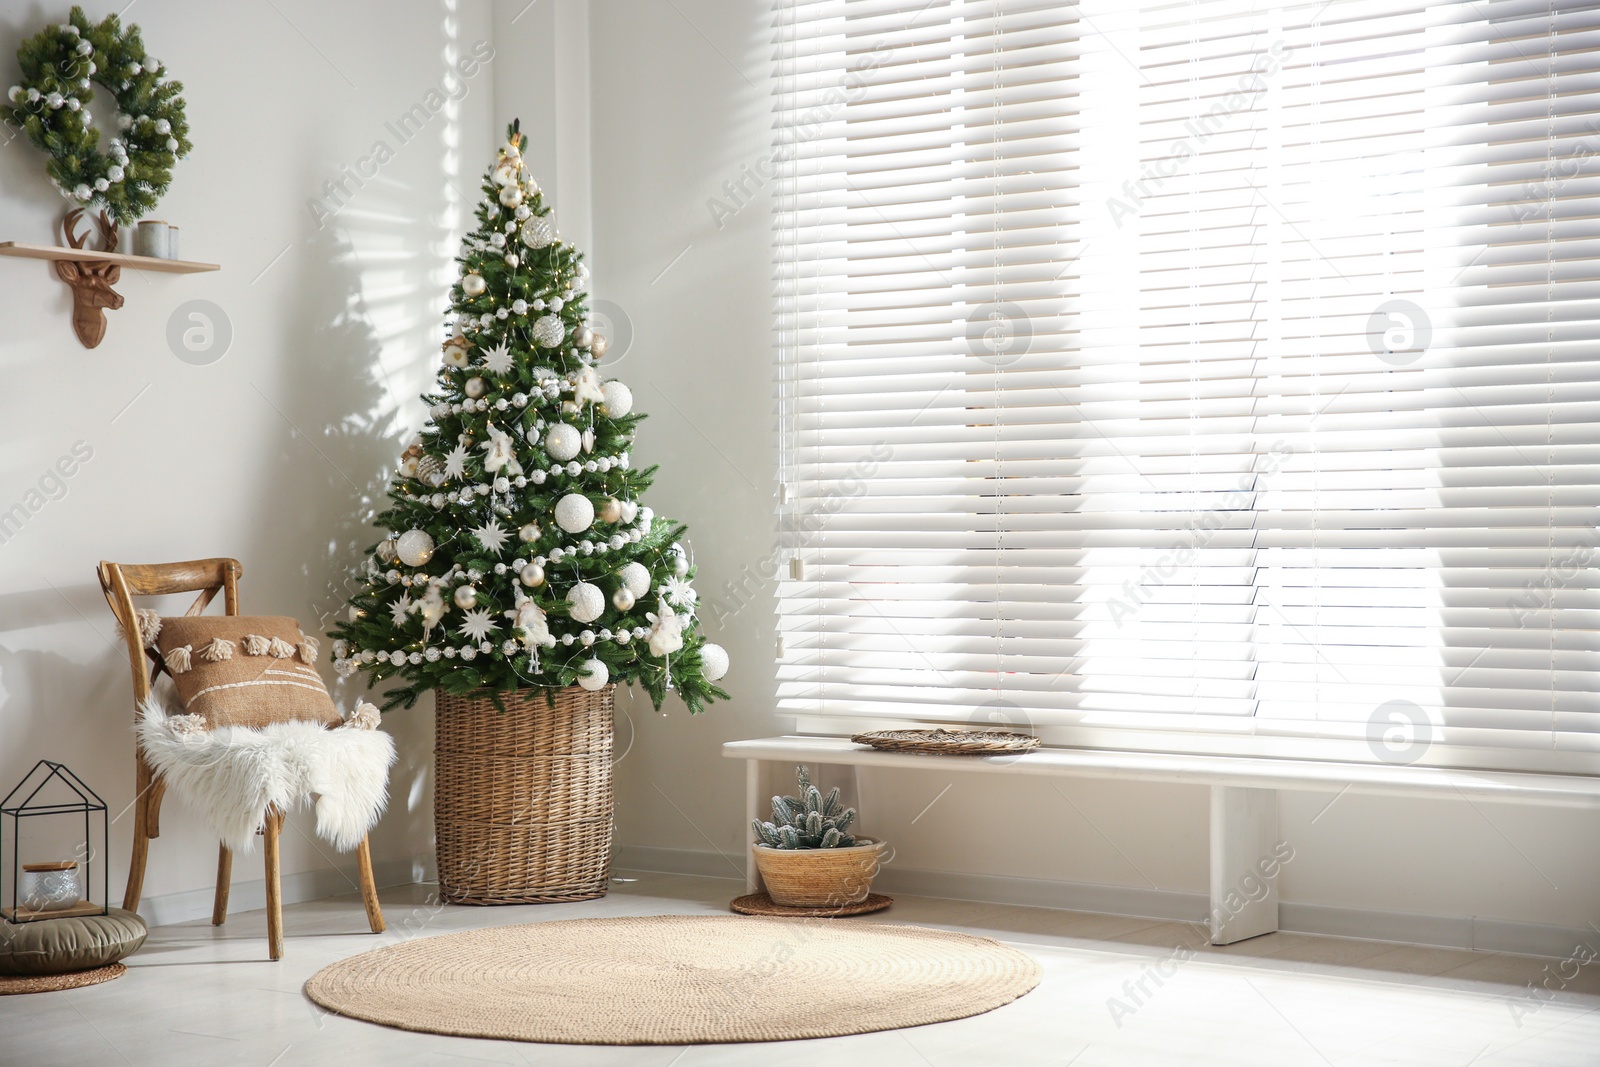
x=90, y=280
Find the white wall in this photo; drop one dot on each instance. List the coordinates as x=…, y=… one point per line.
x=680, y=102
x=272, y=453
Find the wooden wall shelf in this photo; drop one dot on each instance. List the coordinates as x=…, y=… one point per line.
x=88, y=255
x=90, y=273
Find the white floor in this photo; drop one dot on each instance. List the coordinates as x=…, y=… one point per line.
x=202, y=995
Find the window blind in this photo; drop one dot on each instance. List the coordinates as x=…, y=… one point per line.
x=1206, y=376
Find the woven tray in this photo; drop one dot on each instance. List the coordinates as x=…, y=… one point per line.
x=761, y=904
x=948, y=742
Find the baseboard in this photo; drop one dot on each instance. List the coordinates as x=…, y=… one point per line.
x=678, y=861
x=251, y=894
x=1442, y=931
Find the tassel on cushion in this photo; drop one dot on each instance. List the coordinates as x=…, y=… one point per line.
x=185, y=725
x=256, y=645
x=217, y=651
x=178, y=659
x=365, y=717
x=149, y=627
x=280, y=649
x=308, y=650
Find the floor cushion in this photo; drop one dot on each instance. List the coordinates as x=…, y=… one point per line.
x=77, y=943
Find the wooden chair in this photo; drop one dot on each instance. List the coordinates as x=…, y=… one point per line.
x=121, y=582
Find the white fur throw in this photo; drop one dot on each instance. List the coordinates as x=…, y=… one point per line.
x=232, y=774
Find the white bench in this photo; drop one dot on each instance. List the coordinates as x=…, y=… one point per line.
x=1244, y=801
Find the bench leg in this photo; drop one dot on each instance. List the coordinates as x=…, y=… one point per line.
x=753, y=804
x=1244, y=863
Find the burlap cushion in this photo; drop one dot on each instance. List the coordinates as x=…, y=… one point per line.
x=244, y=670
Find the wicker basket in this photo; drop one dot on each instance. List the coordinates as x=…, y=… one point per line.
x=819, y=877
x=522, y=798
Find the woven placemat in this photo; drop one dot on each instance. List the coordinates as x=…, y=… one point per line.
x=50, y=983
x=949, y=742
x=676, y=979
x=762, y=904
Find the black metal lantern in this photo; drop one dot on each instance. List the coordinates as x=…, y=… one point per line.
x=46, y=884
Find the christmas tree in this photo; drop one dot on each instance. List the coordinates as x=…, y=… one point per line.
x=516, y=554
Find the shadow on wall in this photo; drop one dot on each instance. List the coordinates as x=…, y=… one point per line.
x=345, y=422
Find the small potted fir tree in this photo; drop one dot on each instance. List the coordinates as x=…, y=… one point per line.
x=805, y=854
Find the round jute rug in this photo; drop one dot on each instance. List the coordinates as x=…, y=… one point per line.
x=676, y=979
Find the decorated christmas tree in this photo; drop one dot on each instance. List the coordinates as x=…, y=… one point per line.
x=516, y=554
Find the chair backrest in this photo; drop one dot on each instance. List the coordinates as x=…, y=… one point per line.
x=121, y=582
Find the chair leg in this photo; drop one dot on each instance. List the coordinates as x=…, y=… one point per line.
x=274, y=823
x=369, y=889
x=141, y=852
x=219, y=905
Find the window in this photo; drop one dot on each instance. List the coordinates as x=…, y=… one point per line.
x=1206, y=376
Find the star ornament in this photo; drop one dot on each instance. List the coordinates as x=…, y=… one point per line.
x=478, y=624
x=455, y=464
x=492, y=536
x=400, y=609
x=497, y=360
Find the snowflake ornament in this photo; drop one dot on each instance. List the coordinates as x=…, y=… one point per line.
x=498, y=361
x=478, y=624
x=679, y=593
x=492, y=536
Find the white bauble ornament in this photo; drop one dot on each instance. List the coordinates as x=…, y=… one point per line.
x=713, y=662
x=510, y=196
x=414, y=547
x=636, y=577
x=610, y=510
x=466, y=597
x=593, y=675
x=623, y=599
x=618, y=399
x=548, y=331
x=563, y=442
x=538, y=231
x=585, y=602
x=529, y=533
x=474, y=387
x=574, y=513
x=473, y=284
x=532, y=575
x=582, y=336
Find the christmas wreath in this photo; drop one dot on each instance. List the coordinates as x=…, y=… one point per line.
x=51, y=105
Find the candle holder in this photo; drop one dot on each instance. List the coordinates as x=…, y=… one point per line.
x=53, y=799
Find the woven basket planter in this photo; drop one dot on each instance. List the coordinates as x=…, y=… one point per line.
x=522, y=798
x=818, y=877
